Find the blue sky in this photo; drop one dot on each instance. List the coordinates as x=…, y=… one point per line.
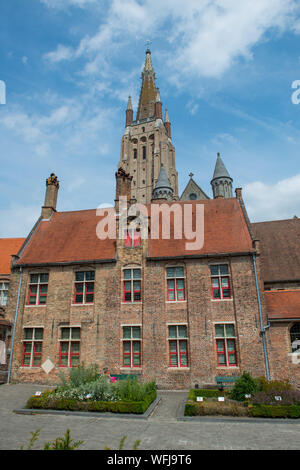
x=225, y=71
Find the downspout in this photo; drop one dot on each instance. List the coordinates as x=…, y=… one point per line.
x=262, y=328
x=15, y=326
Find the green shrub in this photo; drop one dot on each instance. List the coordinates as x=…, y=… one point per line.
x=80, y=375
x=244, y=385
x=212, y=407
x=206, y=393
x=271, y=411
x=275, y=386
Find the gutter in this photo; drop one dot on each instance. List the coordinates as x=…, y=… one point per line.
x=196, y=256
x=67, y=263
x=15, y=326
x=262, y=328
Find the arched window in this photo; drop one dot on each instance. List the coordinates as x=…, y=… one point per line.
x=295, y=337
x=193, y=196
x=144, y=153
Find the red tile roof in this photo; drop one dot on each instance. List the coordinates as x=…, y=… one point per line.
x=283, y=303
x=71, y=236
x=225, y=231
x=8, y=247
x=280, y=249
x=67, y=237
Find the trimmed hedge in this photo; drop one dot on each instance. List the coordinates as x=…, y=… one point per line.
x=274, y=411
x=48, y=402
x=206, y=393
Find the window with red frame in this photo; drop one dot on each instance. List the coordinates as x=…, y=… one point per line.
x=132, y=285
x=132, y=238
x=132, y=346
x=178, y=351
x=69, y=351
x=175, y=284
x=37, y=289
x=226, y=345
x=32, y=347
x=84, y=287
x=220, y=281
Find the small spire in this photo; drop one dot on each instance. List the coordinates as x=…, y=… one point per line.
x=157, y=98
x=148, y=63
x=129, y=105
x=167, y=119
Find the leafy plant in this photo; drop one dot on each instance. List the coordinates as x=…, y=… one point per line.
x=288, y=397
x=244, y=385
x=60, y=443
x=272, y=385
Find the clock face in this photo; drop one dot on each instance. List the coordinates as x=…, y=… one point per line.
x=193, y=196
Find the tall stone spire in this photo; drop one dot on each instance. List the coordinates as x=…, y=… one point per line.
x=222, y=181
x=146, y=108
x=163, y=188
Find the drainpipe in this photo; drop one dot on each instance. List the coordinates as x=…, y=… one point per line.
x=262, y=328
x=15, y=326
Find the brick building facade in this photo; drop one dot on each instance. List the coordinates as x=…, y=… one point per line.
x=155, y=306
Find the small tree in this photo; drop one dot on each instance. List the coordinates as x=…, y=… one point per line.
x=245, y=385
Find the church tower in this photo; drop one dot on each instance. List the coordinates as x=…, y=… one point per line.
x=146, y=145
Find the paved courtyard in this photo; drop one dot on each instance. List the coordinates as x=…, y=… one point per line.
x=161, y=431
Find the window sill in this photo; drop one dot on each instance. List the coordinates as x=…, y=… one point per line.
x=176, y=301
x=82, y=305
x=228, y=367
x=182, y=369
x=221, y=300
x=131, y=303
x=36, y=306
x=130, y=369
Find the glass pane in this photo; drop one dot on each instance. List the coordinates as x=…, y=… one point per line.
x=226, y=293
x=4, y=298
x=27, y=347
x=90, y=287
x=28, y=333
x=136, y=274
x=127, y=296
x=44, y=277
x=137, y=360
x=79, y=299
x=90, y=275
x=64, y=347
x=136, y=346
x=37, y=361
x=76, y=333
x=219, y=330
x=126, y=332
x=137, y=296
x=26, y=361
x=38, y=333
x=231, y=345
x=79, y=287
x=75, y=348
x=182, y=346
x=136, y=332
x=127, y=273
x=32, y=300
x=173, y=346
x=214, y=270
x=215, y=282
x=174, y=360
x=172, y=332
x=43, y=299
x=182, y=332
x=181, y=295
x=127, y=360
x=5, y=286
x=221, y=359
x=34, y=278
x=127, y=285
x=224, y=269
x=220, y=346
x=170, y=272
x=33, y=289
x=171, y=295
x=179, y=272
x=171, y=284
x=229, y=330
x=43, y=288
x=137, y=285
x=180, y=284
x=225, y=282
x=232, y=359
x=75, y=361
x=89, y=298
x=79, y=276
x=183, y=360
x=64, y=360
x=65, y=333
x=37, y=347
x=126, y=345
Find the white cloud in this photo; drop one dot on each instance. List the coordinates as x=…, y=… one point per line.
x=280, y=200
x=206, y=37
x=63, y=4
x=24, y=60
x=19, y=220
x=60, y=54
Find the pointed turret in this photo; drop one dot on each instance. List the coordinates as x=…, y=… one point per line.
x=146, y=108
x=129, y=113
x=222, y=181
x=163, y=188
x=158, y=105
x=167, y=123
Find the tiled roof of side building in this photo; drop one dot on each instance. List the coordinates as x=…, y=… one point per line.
x=71, y=236
x=280, y=249
x=8, y=247
x=283, y=304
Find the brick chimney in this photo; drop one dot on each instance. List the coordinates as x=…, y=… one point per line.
x=123, y=186
x=52, y=187
x=238, y=193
